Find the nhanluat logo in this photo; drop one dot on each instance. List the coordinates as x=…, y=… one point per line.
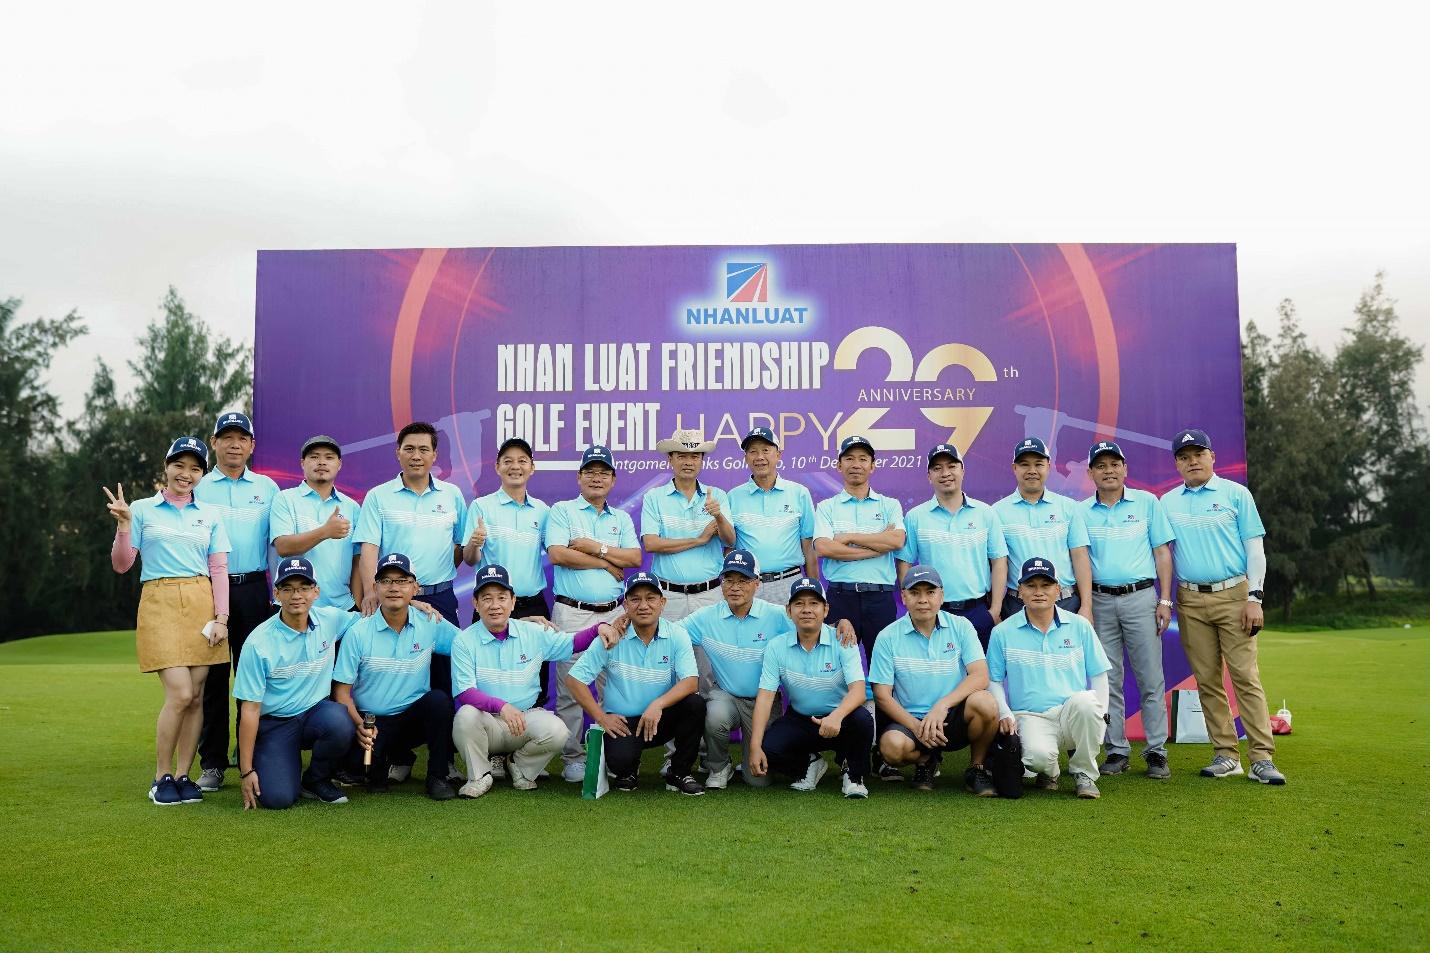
x=747, y=301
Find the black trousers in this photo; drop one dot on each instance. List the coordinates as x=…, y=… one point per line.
x=529, y=606
x=248, y=605
x=869, y=613
x=793, y=739
x=427, y=721
x=683, y=723
x=979, y=616
x=441, y=680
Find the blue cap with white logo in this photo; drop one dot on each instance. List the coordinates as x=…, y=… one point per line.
x=922, y=574
x=760, y=433
x=1037, y=566
x=492, y=576
x=1191, y=438
x=641, y=578
x=233, y=421
x=191, y=445
x=1030, y=445
x=1104, y=446
x=295, y=568
x=597, y=454
x=852, y=443
x=742, y=562
x=807, y=586
x=944, y=450
x=395, y=561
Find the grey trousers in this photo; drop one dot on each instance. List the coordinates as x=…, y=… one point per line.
x=1130, y=623
x=776, y=592
x=678, y=605
x=723, y=712
x=570, y=619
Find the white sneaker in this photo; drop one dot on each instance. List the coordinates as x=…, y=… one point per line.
x=575, y=772
x=852, y=789
x=665, y=767
x=717, y=780
x=211, y=780
x=498, y=766
x=810, y=781
x=397, y=773
x=475, y=789
x=519, y=783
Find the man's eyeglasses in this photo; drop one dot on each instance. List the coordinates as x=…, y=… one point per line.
x=291, y=590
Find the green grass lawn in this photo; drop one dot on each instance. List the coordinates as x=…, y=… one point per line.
x=1337, y=858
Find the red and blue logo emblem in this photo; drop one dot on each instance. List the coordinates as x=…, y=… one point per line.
x=747, y=281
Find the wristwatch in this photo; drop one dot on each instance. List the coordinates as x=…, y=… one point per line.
x=1165, y=602
x=1255, y=595
x=604, y=549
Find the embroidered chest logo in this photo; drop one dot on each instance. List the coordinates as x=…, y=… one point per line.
x=440, y=508
x=522, y=657
x=948, y=646
x=257, y=500
x=759, y=636
x=324, y=646
x=1052, y=517
x=829, y=666
x=1067, y=643
x=416, y=646
x=665, y=660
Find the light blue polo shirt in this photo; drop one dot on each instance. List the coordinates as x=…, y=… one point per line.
x=1212, y=523
x=637, y=674
x=816, y=679
x=509, y=668
x=924, y=669
x=1047, y=528
x=665, y=512
x=425, y=528
x=846, y=514
x=772, y=524
x=514, y=534
x=959, y=545
x=578, y=519
x=244, y=504
x=735, y=646
x=300, y=509
x=1123, y=535
x=1040, y=671
x=390, y=670
x=288, y=671
x=174, y=544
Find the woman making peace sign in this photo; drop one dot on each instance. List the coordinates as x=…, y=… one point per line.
x=183, y=545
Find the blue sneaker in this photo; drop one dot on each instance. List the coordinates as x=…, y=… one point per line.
x=165, y=792
x=189, y=792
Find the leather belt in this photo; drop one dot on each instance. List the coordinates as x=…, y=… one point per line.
x=772, y=576
x=691, y=589
x=859, y=587
x=1213, y=586
x=1126, y=590
x=434, y=589
x=588, y=606
x=959, y=606
x=244, y=578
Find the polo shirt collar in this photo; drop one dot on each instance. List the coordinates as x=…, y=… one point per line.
x=1097, y=500
x=385, y=625
x=773, y=486
x=1058, y=618
x=160, y=501
x=968, y=503
x=485, y=635
x=216, y=476
x=433, y=485
x=910, y=627
x=699, y=488
x=507, y=498
x=292, y=632
x=586, y=504
x=306, y=489
x=1211, y=485
x=1019, y=498
x=844, y=495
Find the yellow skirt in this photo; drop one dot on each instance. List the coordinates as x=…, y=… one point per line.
x=172, y=613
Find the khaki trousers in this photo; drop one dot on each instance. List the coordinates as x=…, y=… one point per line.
x=480, y=734
x=1210, y=624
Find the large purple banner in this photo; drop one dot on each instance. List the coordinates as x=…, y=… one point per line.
x=910, y=345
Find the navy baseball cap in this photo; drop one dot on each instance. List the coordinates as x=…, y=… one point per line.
x=395, y=561
x=1191, y=438
x=641, y=578
x=596, y=454
x=1030, y=445
x=760, y=433
x=851, y=443
x=233, y=421
x=922, y=574
x=294, y=568
x=807, y=586
x=191, y=445
x=1104, y=446
x=742, y=562
x=1037, y=566
x=320, y=440
x=944, y=450
x=510, y=442
x=492, y=576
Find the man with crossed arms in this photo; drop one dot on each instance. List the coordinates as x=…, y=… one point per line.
x=774, y=518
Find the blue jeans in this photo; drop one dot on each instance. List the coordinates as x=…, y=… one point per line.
x=325, y=728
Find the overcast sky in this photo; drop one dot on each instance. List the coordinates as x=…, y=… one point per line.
x=156, y=144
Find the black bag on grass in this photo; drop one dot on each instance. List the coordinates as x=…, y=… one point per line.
x=1005, y=762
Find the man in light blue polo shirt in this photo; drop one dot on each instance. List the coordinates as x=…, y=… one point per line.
x=591, y=544
x=314, y=520
x=383, y=669
x=824, y=679
x=962, y=539
x=649, y=696
x=1049, y=676
x=244, y=499
x=930, y=681
x=732, y=635
x=507, y=527
x=1129, y=537
x=1038, y=522
x=284, y=680
x=1220, y=562
x=774, y=518
x=685, y=526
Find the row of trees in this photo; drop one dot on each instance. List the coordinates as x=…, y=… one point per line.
x=1335, y=449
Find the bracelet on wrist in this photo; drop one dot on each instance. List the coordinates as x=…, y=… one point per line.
x=245, y=774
